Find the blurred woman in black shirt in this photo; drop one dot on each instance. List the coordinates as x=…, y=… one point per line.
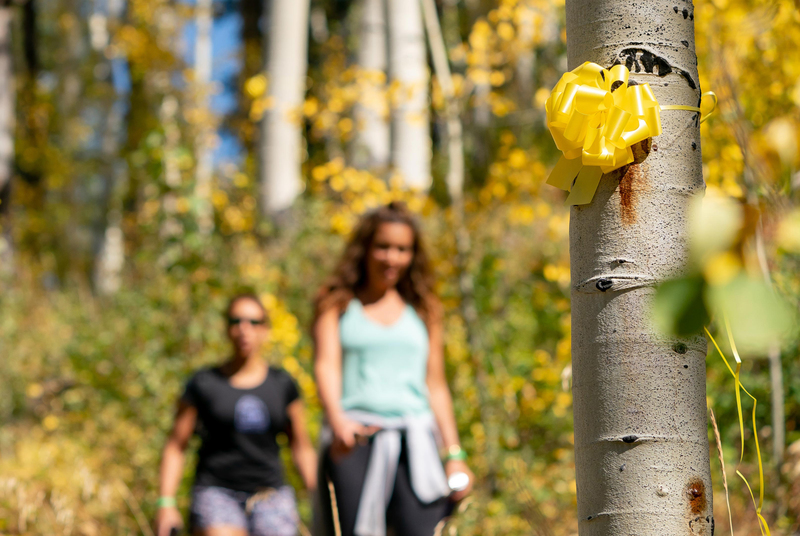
x=238, y=409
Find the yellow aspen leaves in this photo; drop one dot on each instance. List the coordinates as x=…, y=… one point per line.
x=256, y=86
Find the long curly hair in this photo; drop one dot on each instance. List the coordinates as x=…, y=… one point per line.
x=350, y=275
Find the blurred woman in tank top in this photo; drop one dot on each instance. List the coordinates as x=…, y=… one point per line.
x=381, y=378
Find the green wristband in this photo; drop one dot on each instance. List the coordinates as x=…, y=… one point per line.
x=456, y=453
x=166, y=502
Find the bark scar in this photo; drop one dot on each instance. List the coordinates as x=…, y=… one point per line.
x=631, y=438
x=615, y=282
x=640, y=59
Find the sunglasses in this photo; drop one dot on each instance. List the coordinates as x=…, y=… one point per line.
x=236, y=321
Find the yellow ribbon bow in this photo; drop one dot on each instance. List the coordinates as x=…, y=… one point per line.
x=595, y=117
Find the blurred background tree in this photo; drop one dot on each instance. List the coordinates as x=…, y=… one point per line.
x=123, y=257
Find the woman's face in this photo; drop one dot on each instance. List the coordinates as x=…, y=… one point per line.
x=390, y=254
x=247, y=327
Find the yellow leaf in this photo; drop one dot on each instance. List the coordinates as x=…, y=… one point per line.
x=345, y=125
x=34, y=390
x=256, y=86
x=219, y=199
x=50, y=422
x=722, y=268
x=319, y=173
x=497, y=78
x=505, y=31
x=517, y=159
x=310, y=107
x=338, y=183
x=789, y=233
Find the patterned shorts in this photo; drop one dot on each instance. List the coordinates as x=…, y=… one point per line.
x=272, y=512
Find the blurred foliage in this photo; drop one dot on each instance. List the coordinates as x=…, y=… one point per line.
x=718, y=284
x=90, y=381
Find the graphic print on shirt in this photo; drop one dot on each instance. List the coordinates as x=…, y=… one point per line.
x=251, y=415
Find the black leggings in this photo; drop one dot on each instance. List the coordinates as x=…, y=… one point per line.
x=406, y=515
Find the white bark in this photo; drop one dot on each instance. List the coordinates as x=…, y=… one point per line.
x=455, y=138
x=775, y=366
x=7, y=98
x=641, y=440
x=203, y=61
x=526, y=60
x=109, y=239
x=408, y=67
x=7, y=95
x=282, y=142
x=110, y=256
x=373, y=149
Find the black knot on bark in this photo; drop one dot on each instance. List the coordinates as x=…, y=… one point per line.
x=604, y=284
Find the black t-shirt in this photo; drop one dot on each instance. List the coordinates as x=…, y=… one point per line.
x=238, y=428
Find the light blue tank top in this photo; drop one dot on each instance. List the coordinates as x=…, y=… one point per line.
x=384, y=367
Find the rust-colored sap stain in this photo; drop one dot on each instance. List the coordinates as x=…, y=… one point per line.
x=633, y=180
x=696, y=490
x=628, y=186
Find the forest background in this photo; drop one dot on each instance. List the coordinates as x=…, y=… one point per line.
x=133, y=209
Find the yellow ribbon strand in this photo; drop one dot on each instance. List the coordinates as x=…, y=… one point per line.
x=595, y=116
x=708, y=104
x=762, y=522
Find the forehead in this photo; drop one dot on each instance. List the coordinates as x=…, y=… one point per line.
x=246, y=306
x=396, y=233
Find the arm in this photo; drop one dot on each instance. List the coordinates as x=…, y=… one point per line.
x=303, y=454
x=328, y=373
x=328, y=363
x=171, y=472
x=442, y=405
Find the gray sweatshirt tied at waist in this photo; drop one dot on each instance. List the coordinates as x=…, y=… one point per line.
x=428, y=479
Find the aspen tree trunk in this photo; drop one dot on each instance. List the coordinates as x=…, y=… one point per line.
x=775, y=366
x=373, y=143
x=204, y=156
x=408, y=66
x=641, y=439
x=109, y=240
x=455, y=138
x=287, y=64
x=526, y=61
x=7, y=94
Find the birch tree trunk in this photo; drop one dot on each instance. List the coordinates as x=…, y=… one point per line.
x=408, y=66
x=287, y=64
x=7, y=97
x=373, y=149
x=641, y=441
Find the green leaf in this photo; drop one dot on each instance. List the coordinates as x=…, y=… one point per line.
x=679, y=309
x=758, y=317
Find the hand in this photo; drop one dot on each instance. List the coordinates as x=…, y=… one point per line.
x=346, y=434
x=458, y=466
x=168, y=518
